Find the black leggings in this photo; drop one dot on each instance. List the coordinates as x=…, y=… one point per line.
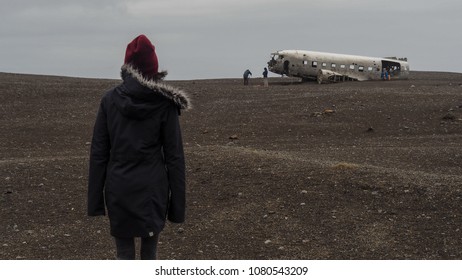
x=126, y=248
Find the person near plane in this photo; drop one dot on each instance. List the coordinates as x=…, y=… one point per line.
x=247, y=75
x=137, y=166
x=385, y=75
x=265, y=77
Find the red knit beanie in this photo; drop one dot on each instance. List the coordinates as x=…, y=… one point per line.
x=141, y=54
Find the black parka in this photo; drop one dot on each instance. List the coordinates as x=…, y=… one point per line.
x=137, y=167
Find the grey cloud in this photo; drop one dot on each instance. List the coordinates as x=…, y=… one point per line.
x=88, y=38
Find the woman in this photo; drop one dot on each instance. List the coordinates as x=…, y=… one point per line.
x=137, y=167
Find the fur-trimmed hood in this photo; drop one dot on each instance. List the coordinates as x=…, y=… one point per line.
x=140, y=98
x=178, y=96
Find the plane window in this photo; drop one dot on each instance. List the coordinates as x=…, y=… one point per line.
x=342, y=66
x=352, y=67
x=305, y=62
x=314, y=64
x=324, y=64
x=361, y=68
x=369, y=68
x=333, y=65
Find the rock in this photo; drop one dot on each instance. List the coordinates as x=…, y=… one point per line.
x=304, y=192
x=268, y=241
x=87, y=143
x=325, y=112
x=316, y=114
x=370, y=129
x=449, y=116
x=233, y=137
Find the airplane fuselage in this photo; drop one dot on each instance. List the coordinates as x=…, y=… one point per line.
x=331, y=67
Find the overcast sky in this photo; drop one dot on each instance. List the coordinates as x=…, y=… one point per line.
x=200, y=39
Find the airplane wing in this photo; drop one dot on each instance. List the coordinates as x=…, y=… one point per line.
x=328, y=76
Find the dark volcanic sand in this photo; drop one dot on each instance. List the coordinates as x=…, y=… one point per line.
x=358, y=170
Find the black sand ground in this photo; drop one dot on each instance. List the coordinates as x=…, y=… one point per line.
x=359, y=170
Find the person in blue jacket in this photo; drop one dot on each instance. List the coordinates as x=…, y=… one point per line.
x=385, y=75
x=137, y=165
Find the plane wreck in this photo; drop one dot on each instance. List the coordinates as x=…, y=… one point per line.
x=331, y=67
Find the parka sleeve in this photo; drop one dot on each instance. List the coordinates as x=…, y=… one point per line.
x=99, y=158
x=175, y=165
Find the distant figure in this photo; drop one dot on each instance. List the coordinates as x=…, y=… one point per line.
x=385, y=75
x=265, y=77
x=391, y=73
x=247, y=73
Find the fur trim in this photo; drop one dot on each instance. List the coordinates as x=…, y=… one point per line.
x=178, y=96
